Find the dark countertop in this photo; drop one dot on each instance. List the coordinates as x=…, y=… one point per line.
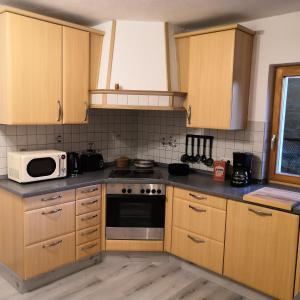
x=196, y=181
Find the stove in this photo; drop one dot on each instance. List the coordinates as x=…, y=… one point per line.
x=135, y=173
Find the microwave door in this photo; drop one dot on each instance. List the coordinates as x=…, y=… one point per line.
x=41, y=168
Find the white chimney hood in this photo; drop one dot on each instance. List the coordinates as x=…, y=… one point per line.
x=135, y=69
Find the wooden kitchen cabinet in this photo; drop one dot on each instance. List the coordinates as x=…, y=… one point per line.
x=214, y=68
x=45, y=69
x=31, y=70
x=75, y=75
x=261, y=248
x=198, y=228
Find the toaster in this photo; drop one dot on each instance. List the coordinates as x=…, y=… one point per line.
x=91, y=161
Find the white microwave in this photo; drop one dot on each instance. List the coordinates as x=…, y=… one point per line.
x=29, y=166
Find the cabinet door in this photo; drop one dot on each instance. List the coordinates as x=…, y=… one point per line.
x=34, y=64
x=182, y=50
x=210, y=79
x=260, y=248
x=75, y=75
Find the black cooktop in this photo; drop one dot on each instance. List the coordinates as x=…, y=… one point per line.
x=135, y=173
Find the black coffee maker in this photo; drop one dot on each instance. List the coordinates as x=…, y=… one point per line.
x=73, y=164
x=242, y=169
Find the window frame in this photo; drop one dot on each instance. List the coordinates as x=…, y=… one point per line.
x=281, y=72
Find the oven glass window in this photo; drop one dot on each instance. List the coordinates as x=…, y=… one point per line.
x=135, y=211
x=40, y=167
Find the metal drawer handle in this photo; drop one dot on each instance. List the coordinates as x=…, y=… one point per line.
x=198, y=241
x=52, y=244
x=89, y=218
x=59, y=113
x=197, y=209
x=52, y=198
x=189, y=114
x=198, y=197
x=54, y=211
x=89, y=232
x=88, y=247
x=89, y=190
x=89, y=202
x=260, y=212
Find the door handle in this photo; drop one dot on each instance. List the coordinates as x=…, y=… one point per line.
x=189, y=114
x=198, y=197
x=53, y=211
x=59, y=112
x=197, y=209
x=86, y=111
x=88, y=247
x=273, y=141
x=89, y=217
x=198, y=241
x=89, y=202
x=260, y=212
x=89, y=232
x=52, y=244
x=52, y=198
x=89, y=190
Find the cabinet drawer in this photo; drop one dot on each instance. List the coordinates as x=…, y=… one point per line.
x=87, y=235
x=88, y=220
x=199, y=219
x=201, y=198
x=49, y=255
x=46, y=223
x=198, y=249
x=87, y=249
x=88, y=191
x=48, y=199
x=84, y=206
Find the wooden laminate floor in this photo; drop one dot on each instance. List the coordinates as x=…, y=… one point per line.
x=137, y=277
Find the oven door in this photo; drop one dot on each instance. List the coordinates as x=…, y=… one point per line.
x=135, y=217
x=40, y=168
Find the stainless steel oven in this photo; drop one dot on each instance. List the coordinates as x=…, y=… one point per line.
x=135, y=211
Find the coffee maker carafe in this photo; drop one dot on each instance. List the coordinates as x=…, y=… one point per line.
x=242, y=169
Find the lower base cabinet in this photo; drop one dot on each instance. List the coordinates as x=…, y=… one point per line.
x=47, y=256
x=261, y=248
x=197, y=249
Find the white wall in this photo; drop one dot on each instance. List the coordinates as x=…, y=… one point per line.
x=277, y=42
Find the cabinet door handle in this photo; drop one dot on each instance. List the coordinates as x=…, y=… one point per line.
x=86, y=111
x=273, y=141
x=52, y=198
x=197, y=209
x=89, y=232
x=53, y=211
x=260, y=212
x=198, y=197
x=198, y=241
x=88, y=247
x=89, y=202
x=189, y=114
x=89, y=217
x=89, y=190
x=59, y=113
x=52, y=244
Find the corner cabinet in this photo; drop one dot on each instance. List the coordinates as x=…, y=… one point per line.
x=214, y=69
x=44, y=75
x=261, y=248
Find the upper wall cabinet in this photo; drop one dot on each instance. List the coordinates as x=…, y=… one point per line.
x=45, y=70
x=214, y=69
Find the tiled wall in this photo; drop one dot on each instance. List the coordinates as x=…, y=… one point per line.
x=113, y=132
x=135, y=134
x=156, y=126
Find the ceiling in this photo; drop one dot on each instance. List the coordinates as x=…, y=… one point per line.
x=202, y=12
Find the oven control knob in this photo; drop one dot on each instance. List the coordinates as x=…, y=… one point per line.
x=148, y=191
x=129, y=191
x=158, y=191
x=123, y=191
x=142, y=191
x=153, y=191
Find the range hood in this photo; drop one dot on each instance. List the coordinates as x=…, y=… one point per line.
x=135, y=68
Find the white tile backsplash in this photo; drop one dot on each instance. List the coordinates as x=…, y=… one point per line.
x=135, y=134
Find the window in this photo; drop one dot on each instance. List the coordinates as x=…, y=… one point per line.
x=285, y=142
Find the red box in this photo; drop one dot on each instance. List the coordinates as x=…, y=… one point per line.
x=219, y=170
